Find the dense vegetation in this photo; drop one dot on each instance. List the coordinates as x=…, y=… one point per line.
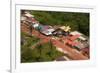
x=77, y=21
x=40, y=53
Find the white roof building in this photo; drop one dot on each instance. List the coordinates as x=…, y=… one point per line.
x=29, y=15
x=75, y=33
x=35, y=25
x=48, y=31
x=23, y=18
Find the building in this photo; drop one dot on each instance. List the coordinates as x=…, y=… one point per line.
x=74, y=37
x=79, y=37
x=65, y=28
x=35, y=25
x=47, y=30
x=70, y=43
x=44, y=29
x=23, y=18
x=27, y=14
x=59, y=31
x=78, y=33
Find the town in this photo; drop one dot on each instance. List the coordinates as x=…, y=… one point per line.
x=72, y=45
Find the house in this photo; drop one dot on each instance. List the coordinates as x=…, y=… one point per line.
x=35, y=25
x=65, y=28
x=32, y=20
x=79, y=37
x=59, y=31
x=78, y=33
x=47, y=30
x=44, y=29
x=27, y=14
x=74, y=37
x=79, y=46
x=70, y=43
x=23, y=18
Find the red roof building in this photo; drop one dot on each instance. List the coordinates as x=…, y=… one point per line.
x=74, y=37
x=72, y=43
